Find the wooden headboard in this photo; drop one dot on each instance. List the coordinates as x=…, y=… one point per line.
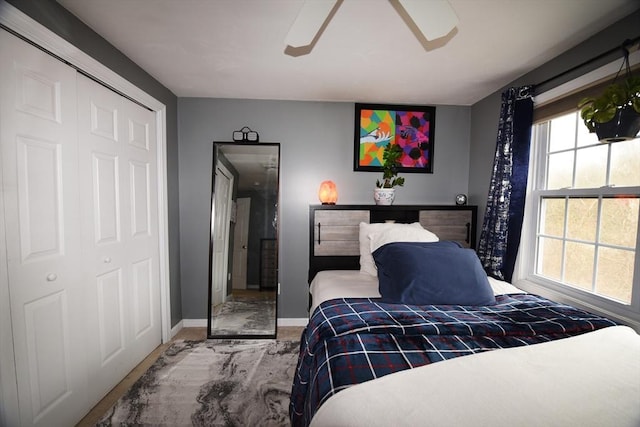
x=334, y=229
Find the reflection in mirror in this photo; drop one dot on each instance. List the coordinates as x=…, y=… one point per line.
x=243, y=260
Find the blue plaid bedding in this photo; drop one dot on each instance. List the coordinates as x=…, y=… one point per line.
x=352, y=340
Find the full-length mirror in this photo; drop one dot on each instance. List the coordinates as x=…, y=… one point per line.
x=243, y=253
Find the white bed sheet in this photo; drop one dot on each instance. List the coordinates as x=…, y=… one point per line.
x=331, y=284
x=590, y=380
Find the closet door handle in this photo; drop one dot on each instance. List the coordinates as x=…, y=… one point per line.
x=468, y=238
x=319, y=233
x=51, y=277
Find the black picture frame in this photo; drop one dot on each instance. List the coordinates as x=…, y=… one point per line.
x=410, y=126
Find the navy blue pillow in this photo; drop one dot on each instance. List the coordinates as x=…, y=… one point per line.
x=438, y=273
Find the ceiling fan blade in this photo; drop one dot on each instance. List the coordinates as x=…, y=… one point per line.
x=434, y=18
x=312, y=16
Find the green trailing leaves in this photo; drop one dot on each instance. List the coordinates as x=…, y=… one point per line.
x=390, y=163
x=603, y=108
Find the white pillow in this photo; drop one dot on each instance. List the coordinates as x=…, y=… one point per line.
x=367, y=264
x=405, y=234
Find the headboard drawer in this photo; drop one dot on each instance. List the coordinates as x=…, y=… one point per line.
x=448, y=224
x=336, y=232
x=341, y=217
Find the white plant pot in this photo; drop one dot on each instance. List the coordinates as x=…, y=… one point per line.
x=384, y=196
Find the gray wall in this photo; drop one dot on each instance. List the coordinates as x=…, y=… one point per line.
x=64, y=24
x=317, y=144
x=484, y=114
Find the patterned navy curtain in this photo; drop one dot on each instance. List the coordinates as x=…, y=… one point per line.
x=502, y=225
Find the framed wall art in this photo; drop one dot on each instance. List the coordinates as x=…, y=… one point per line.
x=410, y=127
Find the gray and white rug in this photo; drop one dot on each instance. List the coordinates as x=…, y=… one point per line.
x=212, y=383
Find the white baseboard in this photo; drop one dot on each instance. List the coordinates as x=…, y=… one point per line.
x=200, y=323
x=194, y=323
x=174, y=331
x=301, y=321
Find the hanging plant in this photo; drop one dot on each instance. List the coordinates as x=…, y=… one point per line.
x=615, y=114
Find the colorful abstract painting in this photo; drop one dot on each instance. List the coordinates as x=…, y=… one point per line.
x=410, y=127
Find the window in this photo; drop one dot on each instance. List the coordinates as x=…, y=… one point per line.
x=584, y=206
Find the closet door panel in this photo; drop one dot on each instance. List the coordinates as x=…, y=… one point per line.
x=106, y=190
x=102, y=235
x=119, y=228
x=110, y=315
x=103, y=227
x=143, y=300
x=140, y=150
x=39, y=178
x=40, y=198
x=140, y=191
x=45, y=327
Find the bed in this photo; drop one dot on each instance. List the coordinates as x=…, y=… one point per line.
x=501, y=357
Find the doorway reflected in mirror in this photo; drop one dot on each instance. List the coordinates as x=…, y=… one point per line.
x=243, y=276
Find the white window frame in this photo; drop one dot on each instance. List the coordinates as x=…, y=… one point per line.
x=524, y=275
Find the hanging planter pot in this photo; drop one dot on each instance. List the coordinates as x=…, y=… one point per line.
x=615, y=114
x=624, y=126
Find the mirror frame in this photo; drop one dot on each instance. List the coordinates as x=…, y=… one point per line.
x=210, y=334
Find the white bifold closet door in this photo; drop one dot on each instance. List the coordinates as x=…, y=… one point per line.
x=43, y=241
x=119, y=224
x=79, y=179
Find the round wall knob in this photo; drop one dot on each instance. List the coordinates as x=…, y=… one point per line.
x=51, y=277
x=107, y=260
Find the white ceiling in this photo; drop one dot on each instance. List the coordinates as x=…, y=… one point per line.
x=367, y=53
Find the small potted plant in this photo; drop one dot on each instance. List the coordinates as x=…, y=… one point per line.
x=384, y=193
x=615, y=114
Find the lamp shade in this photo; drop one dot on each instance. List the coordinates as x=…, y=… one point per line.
x=328, y=193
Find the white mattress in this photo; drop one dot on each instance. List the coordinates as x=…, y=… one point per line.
x=590, y=380
x=331, y=284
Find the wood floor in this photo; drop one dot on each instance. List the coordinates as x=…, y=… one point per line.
x=195, y=334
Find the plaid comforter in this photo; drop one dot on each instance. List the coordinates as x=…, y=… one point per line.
x=352, y=340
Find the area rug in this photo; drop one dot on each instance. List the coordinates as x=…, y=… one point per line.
x=212, y=383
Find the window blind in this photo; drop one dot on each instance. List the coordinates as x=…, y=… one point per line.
x=569, y=101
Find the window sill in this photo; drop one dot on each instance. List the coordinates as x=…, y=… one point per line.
x=626, y=315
